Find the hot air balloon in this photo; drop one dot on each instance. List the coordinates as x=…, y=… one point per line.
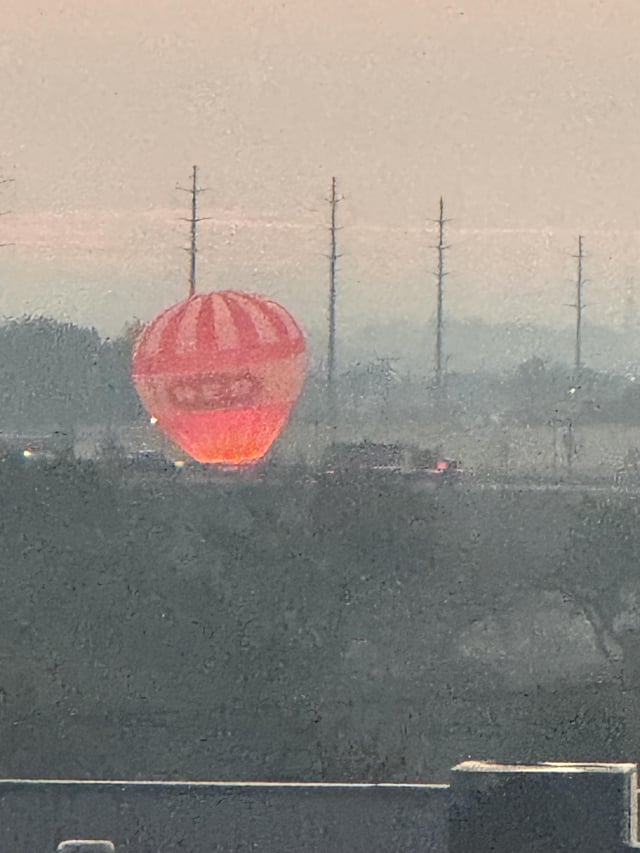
x=220, y=373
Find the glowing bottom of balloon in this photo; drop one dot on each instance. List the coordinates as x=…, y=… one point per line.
x=227, y=436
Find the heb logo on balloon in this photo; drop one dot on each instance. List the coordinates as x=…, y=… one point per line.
x=221, y=372
x=203, y=392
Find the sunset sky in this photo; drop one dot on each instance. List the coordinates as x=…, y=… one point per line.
x=523, y=115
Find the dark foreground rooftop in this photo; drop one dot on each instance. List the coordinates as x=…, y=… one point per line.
x=591, y=808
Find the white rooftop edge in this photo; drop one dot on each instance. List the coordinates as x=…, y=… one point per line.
x=547, y=767
x=152, y=783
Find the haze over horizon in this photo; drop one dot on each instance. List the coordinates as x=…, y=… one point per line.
x=524, y=121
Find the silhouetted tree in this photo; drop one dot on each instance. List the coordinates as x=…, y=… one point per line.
x=599, y=574
x=58, y=375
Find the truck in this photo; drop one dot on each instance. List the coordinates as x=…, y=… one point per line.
x=351, y=458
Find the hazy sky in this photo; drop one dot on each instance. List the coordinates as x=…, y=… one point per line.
x=523, y=115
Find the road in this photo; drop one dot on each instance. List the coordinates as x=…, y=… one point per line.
x=414, y=484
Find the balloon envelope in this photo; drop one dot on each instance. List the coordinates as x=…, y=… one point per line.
x=220, y=372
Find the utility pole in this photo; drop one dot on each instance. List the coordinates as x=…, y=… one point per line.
x=440, y=276
x=333, y=258
x=579, y=307
x=193, y=220
x=194, y=237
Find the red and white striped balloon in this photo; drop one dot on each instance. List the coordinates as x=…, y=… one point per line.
x=221, y=373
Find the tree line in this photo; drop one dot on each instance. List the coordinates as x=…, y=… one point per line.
x=56, y=375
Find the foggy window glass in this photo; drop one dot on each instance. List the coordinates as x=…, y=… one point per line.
x=319, y=412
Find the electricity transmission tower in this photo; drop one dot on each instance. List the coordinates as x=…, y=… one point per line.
x=333, y=259
x=194, y=190
x=579, y=306
x=440, y=276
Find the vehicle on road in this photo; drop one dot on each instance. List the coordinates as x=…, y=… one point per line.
x=364, y=457
x=36, y=450
x=449, y=469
